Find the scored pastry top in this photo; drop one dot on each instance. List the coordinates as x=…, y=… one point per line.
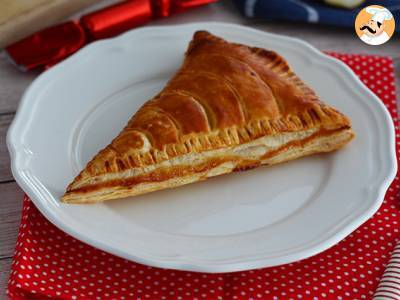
x=225, y=94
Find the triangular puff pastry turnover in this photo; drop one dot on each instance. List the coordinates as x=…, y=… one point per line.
x=229, y=108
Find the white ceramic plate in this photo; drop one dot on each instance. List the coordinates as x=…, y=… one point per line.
x=264, y=217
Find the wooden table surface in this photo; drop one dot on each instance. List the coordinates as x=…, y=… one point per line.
x=13, y=83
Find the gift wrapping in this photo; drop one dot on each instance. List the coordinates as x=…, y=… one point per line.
x=51, y=45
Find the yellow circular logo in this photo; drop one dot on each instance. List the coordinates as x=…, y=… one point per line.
x=374, y=25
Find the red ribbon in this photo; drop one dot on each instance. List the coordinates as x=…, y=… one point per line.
x=47, y=47
x=115, y=19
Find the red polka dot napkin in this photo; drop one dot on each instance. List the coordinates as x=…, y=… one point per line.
x=50, y=263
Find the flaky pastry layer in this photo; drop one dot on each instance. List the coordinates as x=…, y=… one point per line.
x=195, y=167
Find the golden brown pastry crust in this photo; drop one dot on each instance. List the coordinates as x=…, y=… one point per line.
x=229, y=105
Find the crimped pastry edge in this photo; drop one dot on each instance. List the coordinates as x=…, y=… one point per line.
x=221, y=139
x=323, y=143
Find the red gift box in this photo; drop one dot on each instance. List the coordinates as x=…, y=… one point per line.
x=50, y=263
x=51, y=45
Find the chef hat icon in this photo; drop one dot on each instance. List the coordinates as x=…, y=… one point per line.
x=379, y=14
